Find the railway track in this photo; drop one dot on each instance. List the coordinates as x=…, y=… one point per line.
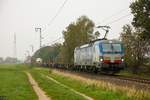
x=134, y=79
x=134, y=82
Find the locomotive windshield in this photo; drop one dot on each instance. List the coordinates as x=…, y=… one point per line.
x=111, y=47
x=116, y=47
x=107, y=47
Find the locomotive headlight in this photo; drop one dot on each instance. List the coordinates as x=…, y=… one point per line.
x=122, y=60
x=101, y=59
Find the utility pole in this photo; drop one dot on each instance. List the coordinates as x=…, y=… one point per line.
x=28, y=53
x=15, y=47
x=40, y=30
x=32, y=48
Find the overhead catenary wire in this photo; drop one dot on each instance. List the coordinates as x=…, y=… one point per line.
x=111, y=16
x=55, y=16
x=48, y=39
x=54, y=41
x=114, y=21
x=61, y=7
x=109, y=23
x=59, y=10
x=118, y=19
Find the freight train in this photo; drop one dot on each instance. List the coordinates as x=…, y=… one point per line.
x=101, y=55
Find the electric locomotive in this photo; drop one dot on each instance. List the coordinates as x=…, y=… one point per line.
x=100, y=55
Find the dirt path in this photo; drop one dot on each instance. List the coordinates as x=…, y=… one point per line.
x=40, y=93
x=81, y=94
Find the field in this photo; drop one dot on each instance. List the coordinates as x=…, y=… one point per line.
x=58, y=86
x=14, y=84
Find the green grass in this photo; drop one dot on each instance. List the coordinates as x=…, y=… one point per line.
x=14, y=83
x=15, y=86
x=91, y=90
x=54, y=90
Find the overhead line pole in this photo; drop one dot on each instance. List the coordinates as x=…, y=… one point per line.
x=32, y=48
x=15, y=47
x=36, y=30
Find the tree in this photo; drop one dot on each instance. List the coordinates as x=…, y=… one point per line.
x=135, y=48
x=10, y=60
x=76, y=34
x=48, y=53
x=1, y=60
x=141, y=11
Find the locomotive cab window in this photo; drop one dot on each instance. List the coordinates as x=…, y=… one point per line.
x=116, y=47
x=111, y=47
x=106, y=47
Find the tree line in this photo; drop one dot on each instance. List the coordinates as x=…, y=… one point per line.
x=136, y=37
x=9, y=60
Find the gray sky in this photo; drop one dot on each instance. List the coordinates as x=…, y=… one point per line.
x=22, y=16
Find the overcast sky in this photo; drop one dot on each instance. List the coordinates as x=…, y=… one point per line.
x=22, y=16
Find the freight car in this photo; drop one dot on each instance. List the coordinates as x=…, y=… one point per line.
x=101, y=55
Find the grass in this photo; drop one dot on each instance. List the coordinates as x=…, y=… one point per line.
x=111, y=92
x=93, y=90
x=90, y=89
x=54, y=90
x=103, y=90
x=14, y=84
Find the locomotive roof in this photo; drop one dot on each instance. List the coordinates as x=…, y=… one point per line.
x=98, y=41
x=103, y=40
x=109, y=41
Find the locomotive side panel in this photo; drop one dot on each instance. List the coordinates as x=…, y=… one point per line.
x=83, y=55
